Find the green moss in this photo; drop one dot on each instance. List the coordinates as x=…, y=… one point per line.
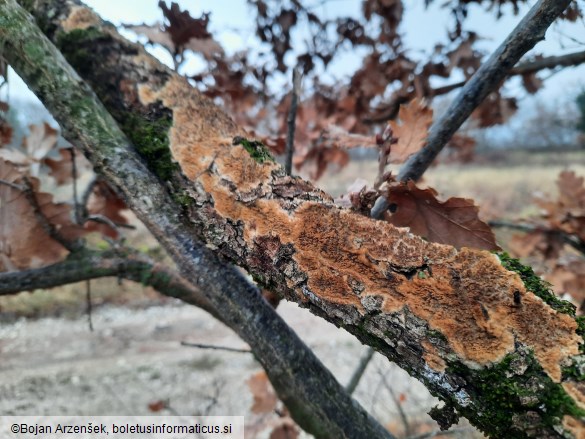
x=77, y=36
x=517, y=385
x=536, y=285
x=151, y=140
x=76, y=45
x=149, y=134
x=257, y=150
x=184, y=199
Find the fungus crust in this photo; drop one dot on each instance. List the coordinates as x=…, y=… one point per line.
x=479, y=306
x=80, y=17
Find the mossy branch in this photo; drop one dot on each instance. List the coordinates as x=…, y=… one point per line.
x=121, y=263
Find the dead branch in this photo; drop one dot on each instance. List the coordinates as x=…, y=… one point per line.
x=291, y=120
x=216, y=348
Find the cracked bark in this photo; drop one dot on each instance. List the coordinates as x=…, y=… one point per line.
x=474, y=332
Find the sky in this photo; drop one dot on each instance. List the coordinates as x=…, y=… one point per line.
x=232, y=23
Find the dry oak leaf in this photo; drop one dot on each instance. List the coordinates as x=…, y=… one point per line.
x=319, y=157
x=35, y=148
x=157, y=406
x=182, y=32
x=454, y=222
x=568, y=276
x=62, y=168
x=107, y=202
x=265, y=399
x=549, y=245
x=567, y=213
x=338, y=137
x=412, y=130
x=286, y=430
x=5, y=128
x=23, y=241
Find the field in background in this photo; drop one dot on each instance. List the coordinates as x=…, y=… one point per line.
x=502, y=184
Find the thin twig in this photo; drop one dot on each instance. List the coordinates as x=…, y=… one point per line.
x=214, y=347
x=77, y=207
x=568, y=238
x=488, y=77
x=291, y=120
x=398, y=404
x=18, y=187
x=85, y=198
x=103, y=220
x=88, y=300
x=436, y=433
x=359, y=371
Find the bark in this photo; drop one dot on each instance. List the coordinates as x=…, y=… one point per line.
x=479, y=330
x=317, y=402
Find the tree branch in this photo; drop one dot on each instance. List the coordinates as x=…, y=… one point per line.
x=568, y=238
x=524, y=37
x=470, y=329
x=291, y=120
x=317, y=402
x=86, y=265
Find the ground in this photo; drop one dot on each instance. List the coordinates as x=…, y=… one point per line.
x=134, y=357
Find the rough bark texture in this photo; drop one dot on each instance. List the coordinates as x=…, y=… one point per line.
x=481, y=331
x=315, y=399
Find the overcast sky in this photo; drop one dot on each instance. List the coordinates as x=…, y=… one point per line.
x=232, y=24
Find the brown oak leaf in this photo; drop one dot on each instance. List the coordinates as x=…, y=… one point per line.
x=568, y=276
x=105, y=201
x=35, y=148
x=412, y=130
x=265, y=399
x=157, y=406
x=454, y=222
x=320, y=157
x=567, y=212
x=537, y=242
x=286, y=430
x=62, y=168
x=23, y=241
x=180, y=32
